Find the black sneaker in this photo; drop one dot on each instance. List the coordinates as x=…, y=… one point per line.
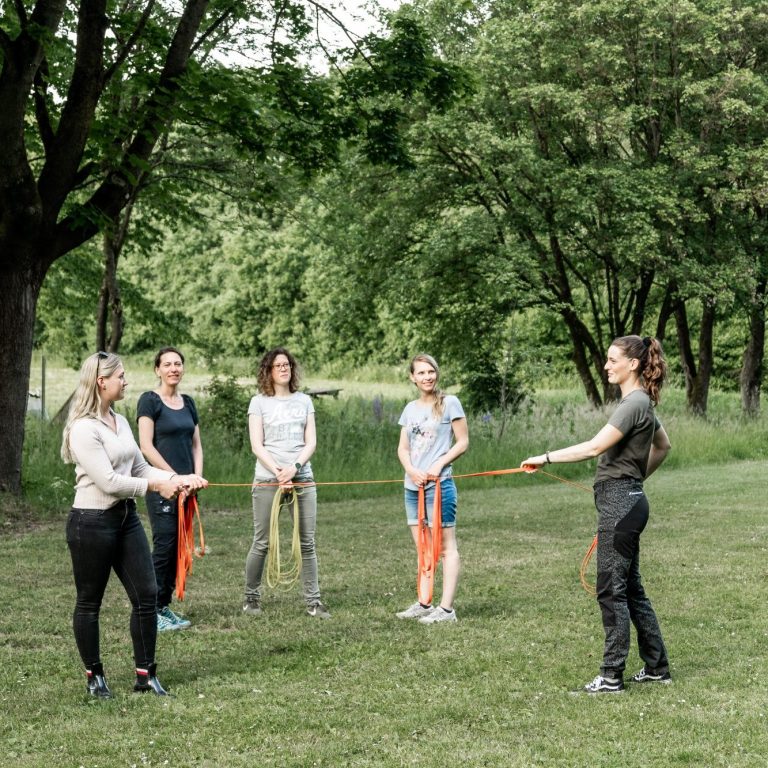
x=252, y=606
x=644, y=676
x=604, y=685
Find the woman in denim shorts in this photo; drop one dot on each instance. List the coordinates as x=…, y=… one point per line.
x=430, y=425
x=631, y=446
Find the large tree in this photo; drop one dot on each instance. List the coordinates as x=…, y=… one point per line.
x=88, y=89
x=65, y=168
x=605, y=147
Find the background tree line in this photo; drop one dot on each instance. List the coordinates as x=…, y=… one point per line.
x=509, y=184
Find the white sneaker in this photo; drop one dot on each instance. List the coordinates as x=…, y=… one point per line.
x=415, y=611
x=437, y=615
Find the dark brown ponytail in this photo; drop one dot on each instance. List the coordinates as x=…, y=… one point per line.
x=653, y=367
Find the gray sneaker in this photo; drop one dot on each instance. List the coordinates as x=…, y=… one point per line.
x=415, y=611
x=318, y=610
x=252, y=606
x=437, y=615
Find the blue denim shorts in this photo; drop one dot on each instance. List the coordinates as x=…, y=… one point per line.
x=447, y=506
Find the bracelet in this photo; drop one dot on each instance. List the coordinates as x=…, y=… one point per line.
x=546, y=453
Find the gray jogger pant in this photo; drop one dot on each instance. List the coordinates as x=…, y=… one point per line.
x=263, y=495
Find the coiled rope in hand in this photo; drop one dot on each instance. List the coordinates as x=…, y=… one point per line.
x=276, y=577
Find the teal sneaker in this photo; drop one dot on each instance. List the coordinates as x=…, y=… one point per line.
x=174, y=618
x=164, y=624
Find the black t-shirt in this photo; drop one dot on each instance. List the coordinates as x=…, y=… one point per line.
x=174, y=429
x=635, y=419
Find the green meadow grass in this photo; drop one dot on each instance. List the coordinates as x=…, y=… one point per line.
x=366, y=689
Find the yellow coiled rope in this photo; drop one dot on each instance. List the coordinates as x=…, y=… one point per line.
x=276, y=578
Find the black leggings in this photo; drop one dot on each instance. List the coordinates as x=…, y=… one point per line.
x=99, y=541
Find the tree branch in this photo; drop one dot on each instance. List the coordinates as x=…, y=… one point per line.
x=129, y=45
x=212, y=27
x=77, y=115
x=41, y=107
x=114, y=192
x=21, y=12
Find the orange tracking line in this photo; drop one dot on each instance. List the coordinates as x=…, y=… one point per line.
x=489, y=473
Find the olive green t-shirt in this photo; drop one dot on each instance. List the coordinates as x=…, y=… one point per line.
x=635, y=419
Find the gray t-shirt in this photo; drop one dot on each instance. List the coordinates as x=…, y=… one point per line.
x=284, y=420
x=428, y=437
x=635, y=419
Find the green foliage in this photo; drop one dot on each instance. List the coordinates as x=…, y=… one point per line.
x=67, y=305
x=224, y=413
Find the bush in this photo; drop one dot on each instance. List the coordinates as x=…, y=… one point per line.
x=223, y=411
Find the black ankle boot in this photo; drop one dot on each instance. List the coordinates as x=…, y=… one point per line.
x=146, y=680
x=97, y=685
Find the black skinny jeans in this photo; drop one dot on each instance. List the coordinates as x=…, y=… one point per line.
x=164, y=519
x=99, y=541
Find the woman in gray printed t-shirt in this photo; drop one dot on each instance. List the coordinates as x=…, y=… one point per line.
x=631, y=446
x=281, y=425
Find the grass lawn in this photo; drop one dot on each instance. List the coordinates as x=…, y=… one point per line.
x=366, y=689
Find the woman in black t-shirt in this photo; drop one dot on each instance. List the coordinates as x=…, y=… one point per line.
x=631, y=446
x=169, y=437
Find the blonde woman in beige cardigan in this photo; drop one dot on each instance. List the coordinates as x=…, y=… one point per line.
x=104, y=532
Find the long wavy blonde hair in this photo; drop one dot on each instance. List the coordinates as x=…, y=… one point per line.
x=86, y=400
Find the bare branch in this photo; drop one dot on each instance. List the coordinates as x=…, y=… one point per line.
x=331, y=16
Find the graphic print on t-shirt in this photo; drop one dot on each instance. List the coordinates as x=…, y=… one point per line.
x=423, y=436
x=285, y=424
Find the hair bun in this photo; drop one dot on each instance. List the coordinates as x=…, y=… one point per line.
x=647, y=341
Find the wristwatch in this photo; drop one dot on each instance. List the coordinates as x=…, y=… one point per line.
x=298, y=466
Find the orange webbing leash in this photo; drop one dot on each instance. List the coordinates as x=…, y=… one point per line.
x=398, y=480
x=429, y=547
x=187, y=510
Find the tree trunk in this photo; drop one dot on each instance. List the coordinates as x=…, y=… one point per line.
x=666, y=311
x=697, y=373
x=109, y=320
x=21, y=290
x=582, y=347
x=754, y=354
